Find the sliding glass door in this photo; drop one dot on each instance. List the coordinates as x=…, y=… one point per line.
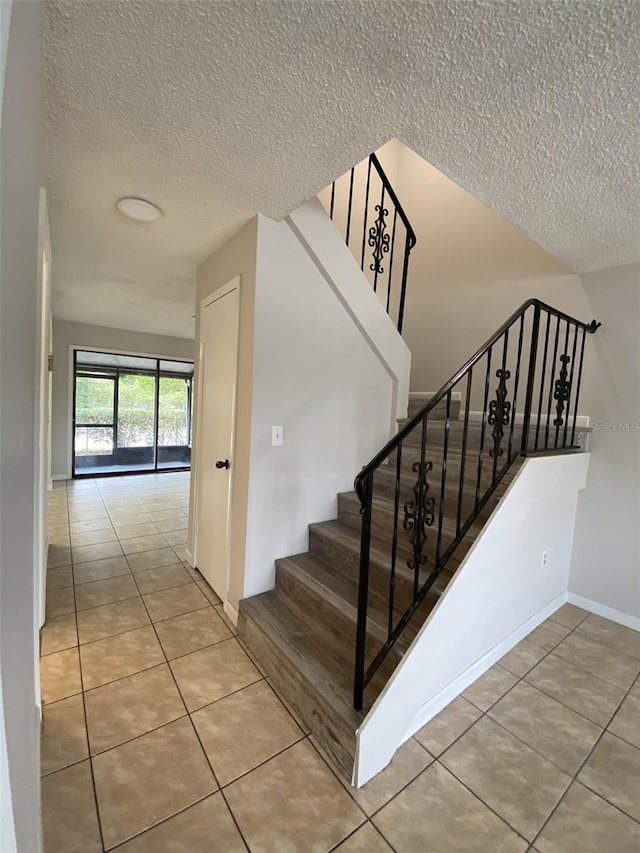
x=95, y=396
x=174, y=419
x=130, y=414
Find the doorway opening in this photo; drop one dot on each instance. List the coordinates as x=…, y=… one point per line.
x=131, y=414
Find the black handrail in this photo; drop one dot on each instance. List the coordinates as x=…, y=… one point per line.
x=445, y=501
x=361, y=230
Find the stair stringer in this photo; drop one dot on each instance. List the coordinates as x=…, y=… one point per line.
x=332, y=257
x=498, y=595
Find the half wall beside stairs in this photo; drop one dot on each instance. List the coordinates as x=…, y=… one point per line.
x=500, y=592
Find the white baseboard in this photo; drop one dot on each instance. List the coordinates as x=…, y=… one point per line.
x=611, y=613
x=466, y=678
x=189, y=557
x=231, y=612
x=61, y=476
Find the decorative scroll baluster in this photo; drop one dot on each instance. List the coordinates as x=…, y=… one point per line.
x=419, y=514
x=562, y=390
x=499, y=412
x=378, y=239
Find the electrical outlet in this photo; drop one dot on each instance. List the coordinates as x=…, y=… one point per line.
x=276, y=436
x=545, y=559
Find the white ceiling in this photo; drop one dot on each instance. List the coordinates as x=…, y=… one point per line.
x=218, y=110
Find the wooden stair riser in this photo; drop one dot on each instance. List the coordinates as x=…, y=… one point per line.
x=384, y=485
x=382, y=525
x=347, y=560
x=317, y=711
x=439, y=412
x=300, y=591
x=412, y=443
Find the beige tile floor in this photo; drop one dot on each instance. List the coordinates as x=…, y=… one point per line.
x=162, y=736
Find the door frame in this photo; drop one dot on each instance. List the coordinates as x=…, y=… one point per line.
x=229, y=287
x=71, y=365
x=43, y=369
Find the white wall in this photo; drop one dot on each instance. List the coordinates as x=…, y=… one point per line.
x=343, y=275
x=605, y=568
x=317, y=376
x=21, y=175
x=470, y=269
x=66, y=335
x=7, y=827
x=498, y=595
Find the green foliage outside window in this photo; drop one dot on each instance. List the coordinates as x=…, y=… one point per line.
x=95, y=401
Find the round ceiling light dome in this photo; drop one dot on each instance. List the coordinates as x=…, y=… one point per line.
x=139, y=209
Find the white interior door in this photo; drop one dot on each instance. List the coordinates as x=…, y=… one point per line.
x=217, y=379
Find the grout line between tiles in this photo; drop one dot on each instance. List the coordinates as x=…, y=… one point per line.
x=121, y=844
x=204, y=752
x=86, y=721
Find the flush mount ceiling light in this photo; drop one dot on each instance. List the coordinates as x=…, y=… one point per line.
x=139, y=209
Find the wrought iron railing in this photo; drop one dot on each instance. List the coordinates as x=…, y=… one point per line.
x=439, y=473
x=365, y=208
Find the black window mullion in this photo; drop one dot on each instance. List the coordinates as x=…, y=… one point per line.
x=73, y=426
x=189, y=382
x=157, y=416
x=116, y=398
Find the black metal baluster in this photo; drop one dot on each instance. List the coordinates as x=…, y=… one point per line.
x=443, y=483
x=333, y=199
x=350, y=206
x=484, y=425
x=516, y=384
x=393, y=242
x=550, y=399
x=544, y=368
x=394, y=542
x=561, y=390
x=366, y=212
x=403, y=288
x=463, y=459
x=569, y=398
x=502, y=409
x=378, y=240
x=577, y=394
x=535, y=331
x=421, y=504
x=363, y=591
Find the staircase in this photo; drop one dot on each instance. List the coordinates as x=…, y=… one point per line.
x=342, y=616
x=303, y=631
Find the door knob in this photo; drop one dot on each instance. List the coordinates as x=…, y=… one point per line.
x=222, y=463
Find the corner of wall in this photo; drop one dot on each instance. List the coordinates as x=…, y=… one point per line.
x=326, y=248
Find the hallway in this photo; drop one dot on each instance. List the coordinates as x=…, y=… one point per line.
x=162, y=736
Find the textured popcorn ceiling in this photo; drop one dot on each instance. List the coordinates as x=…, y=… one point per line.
x=218, y=110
